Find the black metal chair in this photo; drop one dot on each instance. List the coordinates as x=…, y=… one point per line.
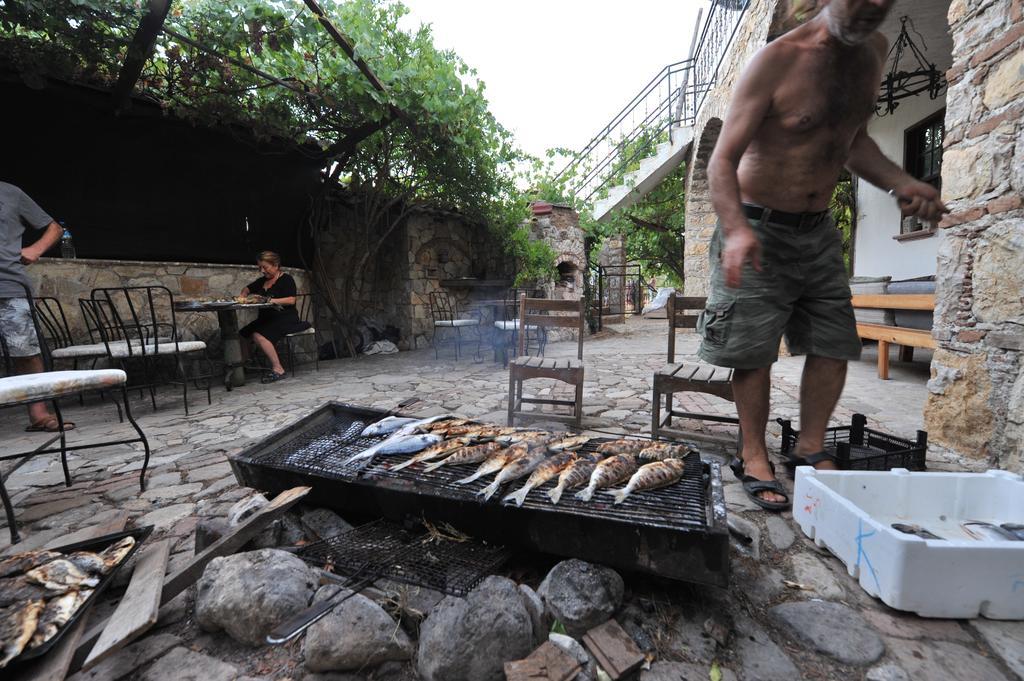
x=50, y=386
x=305, y=305
x=138, y=326
x=445, y=313
x=507, y=329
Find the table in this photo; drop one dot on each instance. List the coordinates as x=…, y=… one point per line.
x=906, y=338
x=227, y=319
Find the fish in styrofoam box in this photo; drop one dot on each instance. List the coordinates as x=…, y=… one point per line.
x=852, y=513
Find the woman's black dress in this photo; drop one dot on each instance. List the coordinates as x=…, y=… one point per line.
x=274, y=324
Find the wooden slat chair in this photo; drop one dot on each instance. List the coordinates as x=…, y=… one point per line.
x=677, y=377
x=533, y=312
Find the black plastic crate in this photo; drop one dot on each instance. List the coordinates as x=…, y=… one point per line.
x=859, y=448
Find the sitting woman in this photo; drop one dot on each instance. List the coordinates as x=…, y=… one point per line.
x=273, y=324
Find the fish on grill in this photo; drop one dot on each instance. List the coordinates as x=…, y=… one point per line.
x=651, y=476
x=519, y=436
x=388, y=424
x=524, y=464
x=442, y=448
x=19, y=590
x=495, y=462
x=115, y=553
x=623, y=446
x=23, y=562
x=474, y=454
x=92, y=563
x=569, y=443
x=56, y=614
x=612, y=470
x=572, y=476
x=548, y=469
x=17, y=624
x=60, y=576
x=399, y=443
x=660, y=451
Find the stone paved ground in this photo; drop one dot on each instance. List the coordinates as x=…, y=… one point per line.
x=765, y=629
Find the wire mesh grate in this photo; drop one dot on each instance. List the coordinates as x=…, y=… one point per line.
x=426, y=559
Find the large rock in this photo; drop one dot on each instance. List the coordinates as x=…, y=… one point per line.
x=471, y=638
x=830, y=628
x=581, y=595
x=248, y=594
x=356, y=634
x=535, y=606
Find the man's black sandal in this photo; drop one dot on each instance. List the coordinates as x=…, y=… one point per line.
x=810, y=460
x=272, y=377
x=752, y=486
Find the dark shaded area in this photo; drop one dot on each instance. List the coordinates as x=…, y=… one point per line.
x=143, y=185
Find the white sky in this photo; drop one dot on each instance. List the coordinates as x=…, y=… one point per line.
x=557, y=71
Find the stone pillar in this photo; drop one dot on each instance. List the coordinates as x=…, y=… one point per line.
x=700, y=214
x=975, y=408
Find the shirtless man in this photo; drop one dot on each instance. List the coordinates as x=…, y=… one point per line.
x=798, y=116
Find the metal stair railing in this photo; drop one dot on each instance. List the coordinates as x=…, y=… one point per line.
x=673, y=97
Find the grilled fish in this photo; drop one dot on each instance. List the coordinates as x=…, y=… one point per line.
x=388, y=424
x=19, y=590
x=572, y=476
x=608, y=472
x=60, y=576
x=524, y=464
x=442, y=448
x=474, y=454
x=651, y=476
x=517, y=437
x=89, y=562
x=23, y=562
x=56, y=614
x=113, y=554
x=495, y=462
x=17, y=624
x=548, y=469
x=399, y=443
x=660, y=451
x=444, y=425
x=569, y=443
x=623, y=446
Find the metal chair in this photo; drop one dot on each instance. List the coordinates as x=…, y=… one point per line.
x=445, y=313
x=49, y=386
x=535, y=311
x=305, y=305
x=138, y=326
x=677, y=377
x=507, y=329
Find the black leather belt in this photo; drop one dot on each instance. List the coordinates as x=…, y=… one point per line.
x=781, y=217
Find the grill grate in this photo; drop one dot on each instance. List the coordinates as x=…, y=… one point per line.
x=388, y=550
x=323, y=450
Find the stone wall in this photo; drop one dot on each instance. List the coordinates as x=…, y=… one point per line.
x=976, y=404
x=760, y=19
x=70, y=280
x=559, y=225
x=613, y=304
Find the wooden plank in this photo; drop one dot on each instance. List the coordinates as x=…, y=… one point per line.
x=690, y=302
x=547, y=663
x=115, y=524
x=138, y=610
x=895, y=301
x=548, y=304
x=553, y=320
x=704, y=373
x=883, y=360
x=919, y=338
x=226, y=545
x=54, y=665
x=687, y=374
x=721, y=375
x=614, y=649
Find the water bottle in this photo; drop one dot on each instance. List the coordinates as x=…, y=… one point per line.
x=67, y=246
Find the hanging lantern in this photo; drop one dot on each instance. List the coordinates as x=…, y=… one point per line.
x=898, y=83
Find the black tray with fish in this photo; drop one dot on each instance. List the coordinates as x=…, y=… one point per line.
x=139, y=534
x=677, y=531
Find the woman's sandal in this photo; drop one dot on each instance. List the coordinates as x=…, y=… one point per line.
x=752, y=486
x=810, y=460
x=273, y=377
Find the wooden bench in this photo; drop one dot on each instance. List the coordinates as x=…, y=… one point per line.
x=906, y=338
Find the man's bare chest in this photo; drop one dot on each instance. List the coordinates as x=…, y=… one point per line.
x=825, y=93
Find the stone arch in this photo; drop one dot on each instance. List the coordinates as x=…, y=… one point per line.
x=700, y=214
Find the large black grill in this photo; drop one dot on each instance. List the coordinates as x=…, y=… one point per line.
x=678, y=531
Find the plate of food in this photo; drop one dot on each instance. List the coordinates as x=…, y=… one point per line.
x=43, y=592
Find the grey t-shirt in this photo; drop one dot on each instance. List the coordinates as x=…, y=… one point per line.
x=17, y=211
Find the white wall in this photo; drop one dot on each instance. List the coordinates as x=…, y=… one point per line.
x=876, y=253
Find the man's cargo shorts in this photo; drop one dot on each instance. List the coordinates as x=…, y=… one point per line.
x=17, y=328
x=802, y=291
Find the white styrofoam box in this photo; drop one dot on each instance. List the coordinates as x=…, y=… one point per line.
x=851, y=513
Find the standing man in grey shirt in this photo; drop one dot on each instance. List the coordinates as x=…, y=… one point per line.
x=18, y=211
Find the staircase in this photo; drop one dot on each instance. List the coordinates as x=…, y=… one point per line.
x=652, y=135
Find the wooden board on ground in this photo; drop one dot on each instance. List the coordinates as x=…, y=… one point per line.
x=138, y=610
x=614, y=649
x=53, y=666
x=226, y=545
x=546, y=663
x=115, y=524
